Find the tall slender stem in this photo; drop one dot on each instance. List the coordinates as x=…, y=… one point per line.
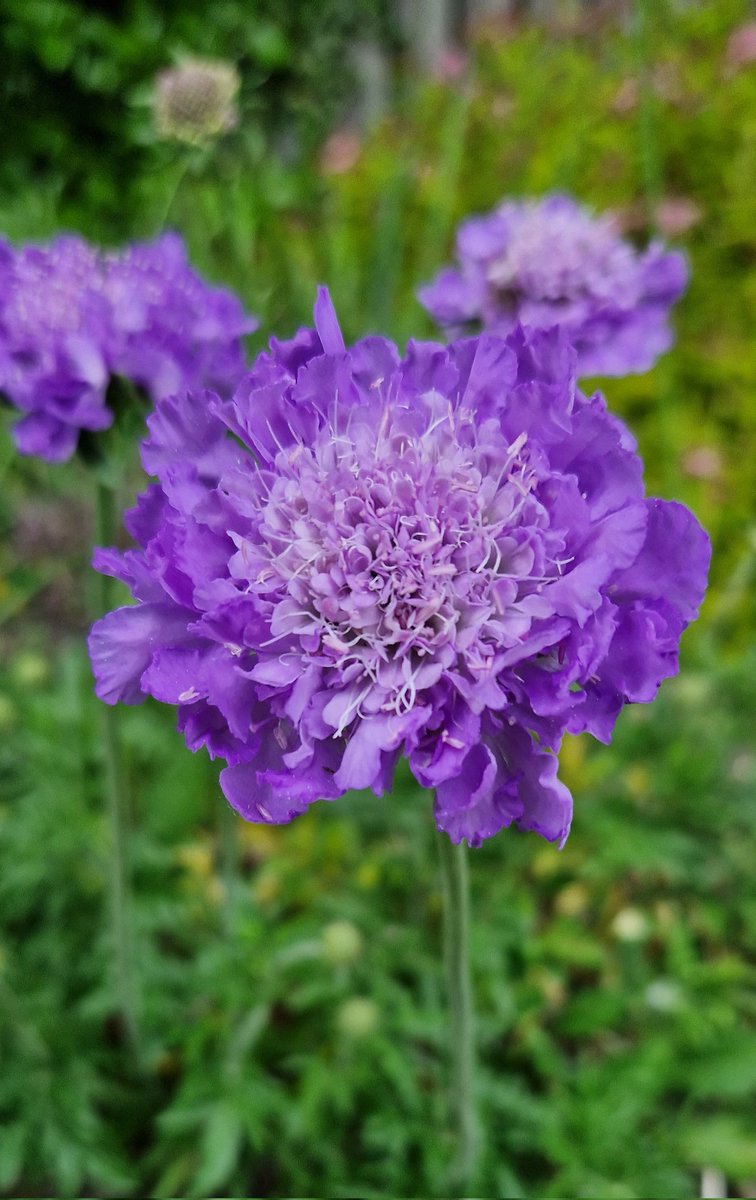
x=118, y=805
x=652, y=168
x=228, y=844
x=173, y=191
x=651, y=161
x=454, y=877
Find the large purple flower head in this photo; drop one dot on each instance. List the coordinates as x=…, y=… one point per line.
x=550, y=262
x=446, y=556
x=72, y=317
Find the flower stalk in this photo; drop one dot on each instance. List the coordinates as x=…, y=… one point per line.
x=228, y=846
x=651, y=162
x=455, y=887
x=118, y=805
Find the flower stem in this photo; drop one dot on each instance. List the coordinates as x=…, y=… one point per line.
x=651, y=161
x=173, y=191
x=454, y=877
x=118, y=805
x=229, y=857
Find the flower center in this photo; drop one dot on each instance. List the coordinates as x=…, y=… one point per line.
x=396, y=553
x=561, y=258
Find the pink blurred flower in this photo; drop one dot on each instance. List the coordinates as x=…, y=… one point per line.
x=665, y=83
x=702, y=462
x=741, y=47
x=676, y=215
x=673, y=216
x=452, y=64
x=626, y=96
x=340, y=152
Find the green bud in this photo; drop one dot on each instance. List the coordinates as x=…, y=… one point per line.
x=341, y=942
x=30, y=669
x=357, y=1018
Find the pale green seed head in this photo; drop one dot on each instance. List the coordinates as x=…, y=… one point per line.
x=341, y=942
x=358, y=1018
x=196, y=101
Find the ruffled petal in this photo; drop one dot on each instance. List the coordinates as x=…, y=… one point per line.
x=673, y=564
x=46, y=437
x=122, y=643
x=478, y=802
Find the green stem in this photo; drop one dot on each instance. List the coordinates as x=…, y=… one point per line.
x=229, y=856
x=118, y=805
x=454, y=878
x=185, y=163
x=652, y=167
x=651, y=162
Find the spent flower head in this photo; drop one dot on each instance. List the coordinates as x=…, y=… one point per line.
x=72, y=317
x=196, y=101
x=447, y=556
x=551, y=262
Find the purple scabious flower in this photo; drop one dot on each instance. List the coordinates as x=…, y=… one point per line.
x=550, y=262
x=447, y=556
x=71, y=317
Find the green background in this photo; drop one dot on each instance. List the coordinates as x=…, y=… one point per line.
x=281, y=1055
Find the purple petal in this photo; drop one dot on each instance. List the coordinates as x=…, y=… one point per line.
x=46, y=437
x=327, y=323
x=476, y=803
x=122, y=643
x=673, y=564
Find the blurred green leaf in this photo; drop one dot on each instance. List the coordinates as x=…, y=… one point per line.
x=722, y=1142
x=219, y=1150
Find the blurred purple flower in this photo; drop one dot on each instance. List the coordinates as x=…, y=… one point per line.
x=447, y=556
x=550, y=262
x=71, y=317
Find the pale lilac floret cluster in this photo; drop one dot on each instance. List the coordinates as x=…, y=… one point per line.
x=72, y=317
x=447, y=556
x=551, y=262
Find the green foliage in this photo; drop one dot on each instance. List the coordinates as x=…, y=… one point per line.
x=520, y=124
x=612, y=980
x=283, y=1055
x=79, y=75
